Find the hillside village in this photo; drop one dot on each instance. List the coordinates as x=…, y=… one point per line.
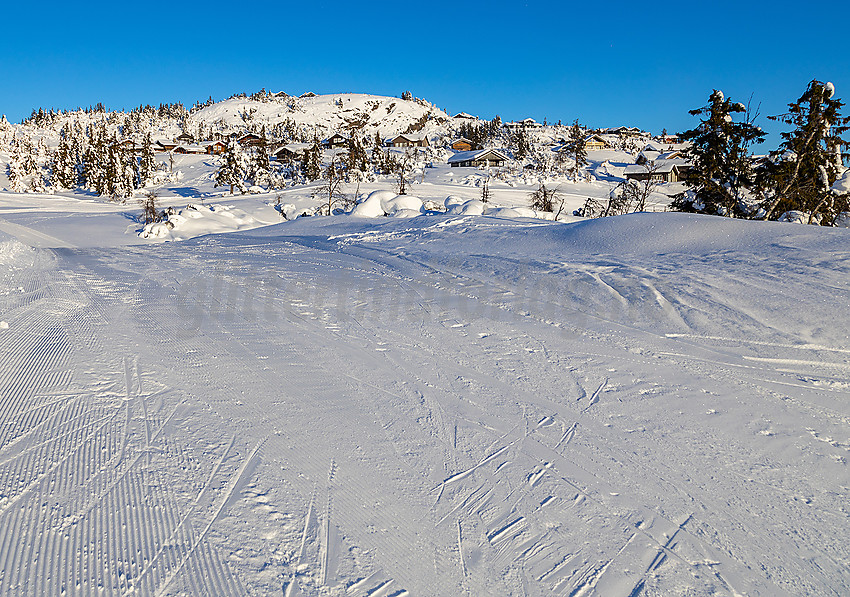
x=267, y=142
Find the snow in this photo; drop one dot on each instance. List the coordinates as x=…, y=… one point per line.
x=829, y=90
x=342, y=405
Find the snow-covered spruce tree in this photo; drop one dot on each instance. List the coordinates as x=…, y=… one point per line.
x=95, y=163
x=64, y=172
x=147, y=162
x=578, y=143
x=232, y=170
x=313, y=162
x=357, y=158
x=520, y=143
x=721, y=180
x=260, y=167
x=811, y=158
x=20, y=162
x=121, y=171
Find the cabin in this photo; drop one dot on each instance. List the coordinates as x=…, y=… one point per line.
x=462, y=144
x=654, y=156
x=185, y=139
x=292, y=152
x=164, y=146
x=190, y=149
x=478, y=159
x=528, y=123
x=465, y=116
x=408, y=140
x=623, y=131
x=335, y=141
x=595, y=143
x=249, y=140
x=214, y=147
x=669, y=170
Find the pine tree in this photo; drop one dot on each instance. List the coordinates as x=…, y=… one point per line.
x=578, y=151
x=261, y=166
x=232, y=170
x=147, y=162
x=17, y=165
x=377, y=150
x=64, y=173
x=357, y=158
x=811, y=156
x=721, y=180
x=520, y=143
x=313, y=162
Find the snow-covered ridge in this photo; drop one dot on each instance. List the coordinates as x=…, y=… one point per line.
x=326, y=114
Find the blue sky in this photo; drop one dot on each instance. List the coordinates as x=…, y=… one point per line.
x=615, y=63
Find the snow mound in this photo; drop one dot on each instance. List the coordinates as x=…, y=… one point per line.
x=197, y=220
x=452, y=200
x=473, y=207
x=389, y=203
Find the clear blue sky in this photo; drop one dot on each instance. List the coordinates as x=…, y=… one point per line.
x=606, y=63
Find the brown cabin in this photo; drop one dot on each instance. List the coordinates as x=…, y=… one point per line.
x=409, y=141
x=336, y=141
x=216, y=147
x=477, y=159
x=462, y=144
x=185, y=138
x=292, y=152
x=249, y=140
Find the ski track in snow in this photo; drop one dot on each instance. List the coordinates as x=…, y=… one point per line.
x=300, y=415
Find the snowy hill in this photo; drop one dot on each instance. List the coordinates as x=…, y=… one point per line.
x=327, y=114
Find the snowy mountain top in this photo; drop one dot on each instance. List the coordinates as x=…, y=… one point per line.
x=343, y=112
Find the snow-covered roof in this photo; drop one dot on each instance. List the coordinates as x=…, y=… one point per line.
x=467, y=156
x=465, y=115
x=409, y=137
x=660, y=166
x=295, y=147
x=191, y=148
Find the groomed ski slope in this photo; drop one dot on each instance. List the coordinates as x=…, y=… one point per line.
x=654, y=404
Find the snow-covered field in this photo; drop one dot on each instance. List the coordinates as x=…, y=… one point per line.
x=654, y=404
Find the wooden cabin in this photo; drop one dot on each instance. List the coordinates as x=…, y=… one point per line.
x=292, y=152
x=477, y=159
x=462, y=144
x=215, y=147
x=249, y=140
x=409, y=140
x=335, y=141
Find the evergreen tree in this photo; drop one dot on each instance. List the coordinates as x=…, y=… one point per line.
x=147, y=162
x=357, y=158
x=520, y=143
x=260, y=165
x=579, y=154
x=810, y=158
x=313, y=162
x=377, y=149
x=232, y=170
x=721, y=180
x=64, y=173
x=17, y=165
